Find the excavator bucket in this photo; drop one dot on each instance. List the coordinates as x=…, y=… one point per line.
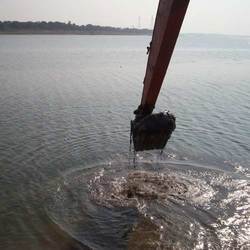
x=152, y=131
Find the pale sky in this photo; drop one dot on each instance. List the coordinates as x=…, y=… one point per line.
x=203, y=16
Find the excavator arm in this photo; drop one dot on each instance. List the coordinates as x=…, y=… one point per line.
x=169, y=18
x=151, y=131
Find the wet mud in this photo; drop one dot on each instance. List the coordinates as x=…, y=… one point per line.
x=135, y=185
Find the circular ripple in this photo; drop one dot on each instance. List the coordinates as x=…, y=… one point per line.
x=164, y=205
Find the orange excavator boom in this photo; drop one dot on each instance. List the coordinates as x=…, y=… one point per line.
x=169, y=18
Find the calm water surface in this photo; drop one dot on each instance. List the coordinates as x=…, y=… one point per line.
x=65, y=107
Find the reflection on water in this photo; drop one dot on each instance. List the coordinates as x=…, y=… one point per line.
x=159, y=205
x=65, y=107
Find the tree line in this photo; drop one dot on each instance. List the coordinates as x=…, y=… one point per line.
x=66, y=28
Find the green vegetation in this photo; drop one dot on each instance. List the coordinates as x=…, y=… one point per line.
x=15, y=27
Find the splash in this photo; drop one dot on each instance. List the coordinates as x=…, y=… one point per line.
x=127, y=190
x=165, y=205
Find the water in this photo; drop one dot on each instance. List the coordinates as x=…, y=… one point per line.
x=65, y=107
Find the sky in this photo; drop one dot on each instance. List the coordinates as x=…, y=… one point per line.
x=203, y=16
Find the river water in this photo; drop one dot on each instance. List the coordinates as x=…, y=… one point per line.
x=65, y=108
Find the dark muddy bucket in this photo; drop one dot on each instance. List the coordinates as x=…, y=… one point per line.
x=152, y=131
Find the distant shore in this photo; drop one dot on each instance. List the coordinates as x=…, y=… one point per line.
x=59, y=28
